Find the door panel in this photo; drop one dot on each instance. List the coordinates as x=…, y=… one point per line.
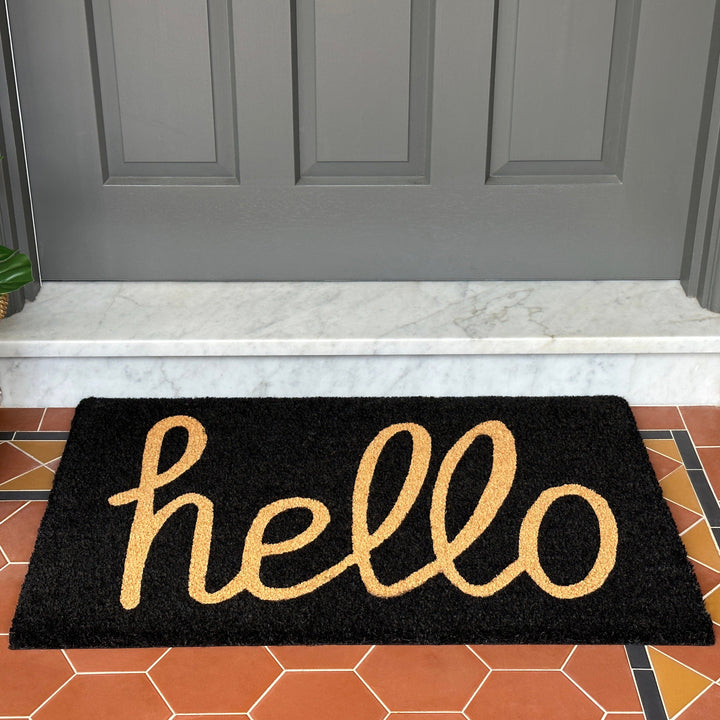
x=349, y=139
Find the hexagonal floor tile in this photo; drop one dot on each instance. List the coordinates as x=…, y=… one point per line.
x=11, y=580
x=531, y=695
x=18, y=533
x=523, y=657
x=214, y=679
x=110, y=697
x=114, y=660
x=319, y=657
x=320, y=695
x=416, y=677
x=29, y=677
x=603, y=671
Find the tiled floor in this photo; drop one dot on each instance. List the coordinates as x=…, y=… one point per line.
x=357, y=682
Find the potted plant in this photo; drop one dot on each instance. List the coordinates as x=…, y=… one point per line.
x=15, y=271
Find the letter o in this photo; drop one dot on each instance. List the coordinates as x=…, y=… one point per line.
x=605, y=560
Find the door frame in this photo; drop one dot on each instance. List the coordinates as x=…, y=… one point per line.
x=17, y=228
x=700, y=273
x=700, y=270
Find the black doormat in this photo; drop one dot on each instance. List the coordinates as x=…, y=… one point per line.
x=357, y=520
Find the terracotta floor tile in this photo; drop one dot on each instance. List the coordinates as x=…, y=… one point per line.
x=18, y=533
x=416, y=677
x=14, y=419
x=11, y=580
x=29, y=677
x=57, y=419
x=710, y=458
x=706, y=660
x=704, y=708
x=42, y=450
x=241, y=716
x=658, y=418
x=603, y=671
x=8, y=507
x=40, y=478
x=106, y=697
x=708, y=579
x=54, y=465
x=712, y=603
x=214, y=679
x=319, y=657
x=426, y=716
x=703, y=423
x=664, y=447
x=531, y=695
x=321, y=696
x=677, y=487
x=662, y=465
x=114, y=660
x=523, y=657
x=699, y=544
x=683, y=518
x=13, y=462
x=678, y=685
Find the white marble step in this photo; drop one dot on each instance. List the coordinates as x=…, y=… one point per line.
x=644, y=340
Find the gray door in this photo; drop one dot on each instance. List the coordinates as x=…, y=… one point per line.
x=361, y=139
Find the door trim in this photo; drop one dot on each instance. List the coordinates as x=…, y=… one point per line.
x=700, y=273
x=17, y=228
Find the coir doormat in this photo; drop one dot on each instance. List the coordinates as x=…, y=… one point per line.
x=357, y=520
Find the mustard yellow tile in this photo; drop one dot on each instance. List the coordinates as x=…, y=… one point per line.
x=700, y=545
x=39, y=479
x=665, y=447
x=712, y=603
x=677, y=487
x=678, y=684
x=42, y=450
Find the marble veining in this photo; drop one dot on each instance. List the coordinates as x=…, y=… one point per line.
x=121, y=319
x=641, y=379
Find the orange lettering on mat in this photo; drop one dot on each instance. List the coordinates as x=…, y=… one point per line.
x=147, y=523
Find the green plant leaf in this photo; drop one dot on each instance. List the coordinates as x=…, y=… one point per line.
x=15, y=270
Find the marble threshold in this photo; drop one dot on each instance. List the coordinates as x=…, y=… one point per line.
x=644, y=340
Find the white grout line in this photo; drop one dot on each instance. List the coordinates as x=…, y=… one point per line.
x=568, y=658
x=477, y=690
x=634, y=679
x=372, y=692
x=583, y=691
x=679, y=662
x=692, y=702
x=48, y=699
x=157, y=689
x=701, y=519
x=274, y=657
x=15, y=512
x=158, y=660
x=362, y=659
x=266, y=691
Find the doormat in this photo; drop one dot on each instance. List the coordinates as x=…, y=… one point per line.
x=357, y=520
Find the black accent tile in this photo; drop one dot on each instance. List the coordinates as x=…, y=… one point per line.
x=6, y=435
x=656, y=435
x=638, y=657
x=650, y=695
x=705, y=496
x=41, y=435
x=24, y=494
x=687, y=450
x=716, y=533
